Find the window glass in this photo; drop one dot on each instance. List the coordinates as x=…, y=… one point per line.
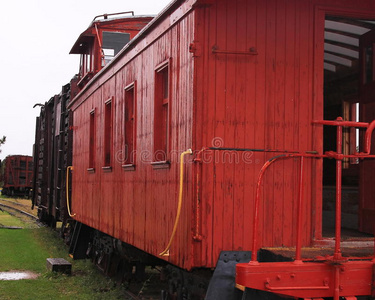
x=112, y=43
x=23, y=164
x=368, y=64
x=130, y=125
x=161, y=114
x=92, y=140
x=108, y=133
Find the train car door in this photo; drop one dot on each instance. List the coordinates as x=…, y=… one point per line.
x=349, y=92
x=367, y=114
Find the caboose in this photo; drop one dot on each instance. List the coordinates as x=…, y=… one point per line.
x=233, y=135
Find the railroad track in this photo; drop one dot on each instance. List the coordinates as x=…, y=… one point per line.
x=19, y=210
x=2, y=206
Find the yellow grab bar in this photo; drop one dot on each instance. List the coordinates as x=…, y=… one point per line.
x=67, y=190
x=166, y=251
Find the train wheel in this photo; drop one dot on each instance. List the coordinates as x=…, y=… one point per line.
x=183, y=285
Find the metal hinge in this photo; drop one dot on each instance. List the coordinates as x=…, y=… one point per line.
x=195, y=48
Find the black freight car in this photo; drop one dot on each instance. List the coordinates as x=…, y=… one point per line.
x=52, y=155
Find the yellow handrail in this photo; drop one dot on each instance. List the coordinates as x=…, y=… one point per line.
x=67, y=190
x=166, y=251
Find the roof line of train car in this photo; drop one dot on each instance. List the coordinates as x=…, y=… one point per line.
x=138, y=38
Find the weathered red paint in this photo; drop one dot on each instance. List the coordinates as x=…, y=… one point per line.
x=315, y=279
x=90, y=41
x=220, y=98
x=257, y=275
x=17, y=174
x=122, y=200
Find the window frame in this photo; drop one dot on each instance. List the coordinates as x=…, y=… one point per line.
x=92, y=141
x=108, y=134
x=351, y=141
x=129, y=162
x=163, y=114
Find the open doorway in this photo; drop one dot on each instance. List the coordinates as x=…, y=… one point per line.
x=348, y=66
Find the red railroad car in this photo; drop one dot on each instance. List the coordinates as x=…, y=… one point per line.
x=244, y=87
x=17, y=175
x=53, y=139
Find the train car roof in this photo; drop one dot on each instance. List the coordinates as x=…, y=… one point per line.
x=10, y=156
x=156, y=20
x=150, y=25
x=89, y=34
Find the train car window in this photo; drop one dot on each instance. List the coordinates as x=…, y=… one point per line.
x=350, y=135
x=22, y=178
x=369, y=60
x=161, y=113
x=10, y=180
x=92, y=142
x=86, y=65
x=108, y=133
x=113, y=42
x=23, y=165
x=108, y=55
x=130, y=124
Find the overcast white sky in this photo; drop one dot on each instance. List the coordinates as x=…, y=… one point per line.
x=35, y=39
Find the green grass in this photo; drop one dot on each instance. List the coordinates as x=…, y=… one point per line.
x=7, y=220
x=28, y=249
x=19, y=251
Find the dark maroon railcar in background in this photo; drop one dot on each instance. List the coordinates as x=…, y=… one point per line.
x=17, y=175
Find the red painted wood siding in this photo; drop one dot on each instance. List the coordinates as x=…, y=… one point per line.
x=17, y=172
x=260, y=101
x=138, y=206
x=264, y=101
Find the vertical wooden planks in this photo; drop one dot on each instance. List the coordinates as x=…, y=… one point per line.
x=107, y=186
x=317, y=133
x=251, y=128
x=240, y=138
x=279, y=121
x=270, y=189
x=96, y=188
x=261, y=101
x=260, y=113
x=279, y=77
x=289, y=104
x=200, y=130
x=220, y=234
x=208, y=168
x=228, y=159
x=118, y=152
x=305, y=113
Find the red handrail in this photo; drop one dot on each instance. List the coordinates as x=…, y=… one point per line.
x=330, y=154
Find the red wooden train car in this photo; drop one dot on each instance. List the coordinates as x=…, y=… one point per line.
x=244, y=87
x=17, y=175
x=53, y=138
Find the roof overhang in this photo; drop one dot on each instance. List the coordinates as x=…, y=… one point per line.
x=84, y=40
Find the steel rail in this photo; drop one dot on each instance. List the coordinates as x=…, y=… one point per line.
x=19, y=210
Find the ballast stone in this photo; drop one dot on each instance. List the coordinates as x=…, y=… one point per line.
x=59, y=265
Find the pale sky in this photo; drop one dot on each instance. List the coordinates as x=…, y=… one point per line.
x=35, y=39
